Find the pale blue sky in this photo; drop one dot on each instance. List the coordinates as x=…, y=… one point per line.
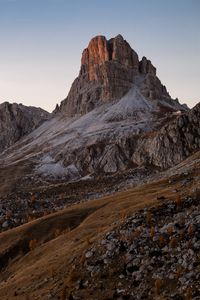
x=42, y=41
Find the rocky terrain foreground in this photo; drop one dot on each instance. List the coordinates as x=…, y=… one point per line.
x=143, y=242
x=153, y=252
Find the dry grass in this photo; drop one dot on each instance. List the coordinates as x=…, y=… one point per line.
x=32, y=244
x=158, y=286
x=84, y=224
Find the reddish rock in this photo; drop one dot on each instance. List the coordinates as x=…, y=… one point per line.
x=109, y=69
x=95, y=55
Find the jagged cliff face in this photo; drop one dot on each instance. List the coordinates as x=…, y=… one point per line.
x=173, y=143
x=16, y=120
x=109, y=69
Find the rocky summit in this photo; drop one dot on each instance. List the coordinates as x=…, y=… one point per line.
x=109, y=69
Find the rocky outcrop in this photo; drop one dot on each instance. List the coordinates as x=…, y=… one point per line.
x=109, y=69
x=173, y=143
x=16, y=120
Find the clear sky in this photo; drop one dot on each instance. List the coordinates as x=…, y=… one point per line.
x=41, y=42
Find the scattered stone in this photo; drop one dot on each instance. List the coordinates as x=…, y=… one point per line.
x=88, y=254
x=5, y=224
x=141, y=260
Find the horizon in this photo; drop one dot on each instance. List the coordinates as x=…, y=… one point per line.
x=42, y=44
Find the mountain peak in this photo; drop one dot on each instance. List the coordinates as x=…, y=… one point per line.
x=100, y=50
x=109, y=69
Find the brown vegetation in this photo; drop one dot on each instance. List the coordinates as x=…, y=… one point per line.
x=79, y=226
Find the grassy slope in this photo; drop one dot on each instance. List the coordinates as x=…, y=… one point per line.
x=46, y=268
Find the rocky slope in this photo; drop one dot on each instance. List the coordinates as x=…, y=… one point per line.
x=154, y=253
x=17, y=120
x=154, y=230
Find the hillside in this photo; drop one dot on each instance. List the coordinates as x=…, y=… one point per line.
x=54, y=263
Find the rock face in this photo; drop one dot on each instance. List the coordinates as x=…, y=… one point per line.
x=16, y=120
x=173, y=143
x=109, y=69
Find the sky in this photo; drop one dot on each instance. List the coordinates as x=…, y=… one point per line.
x=41, y=42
